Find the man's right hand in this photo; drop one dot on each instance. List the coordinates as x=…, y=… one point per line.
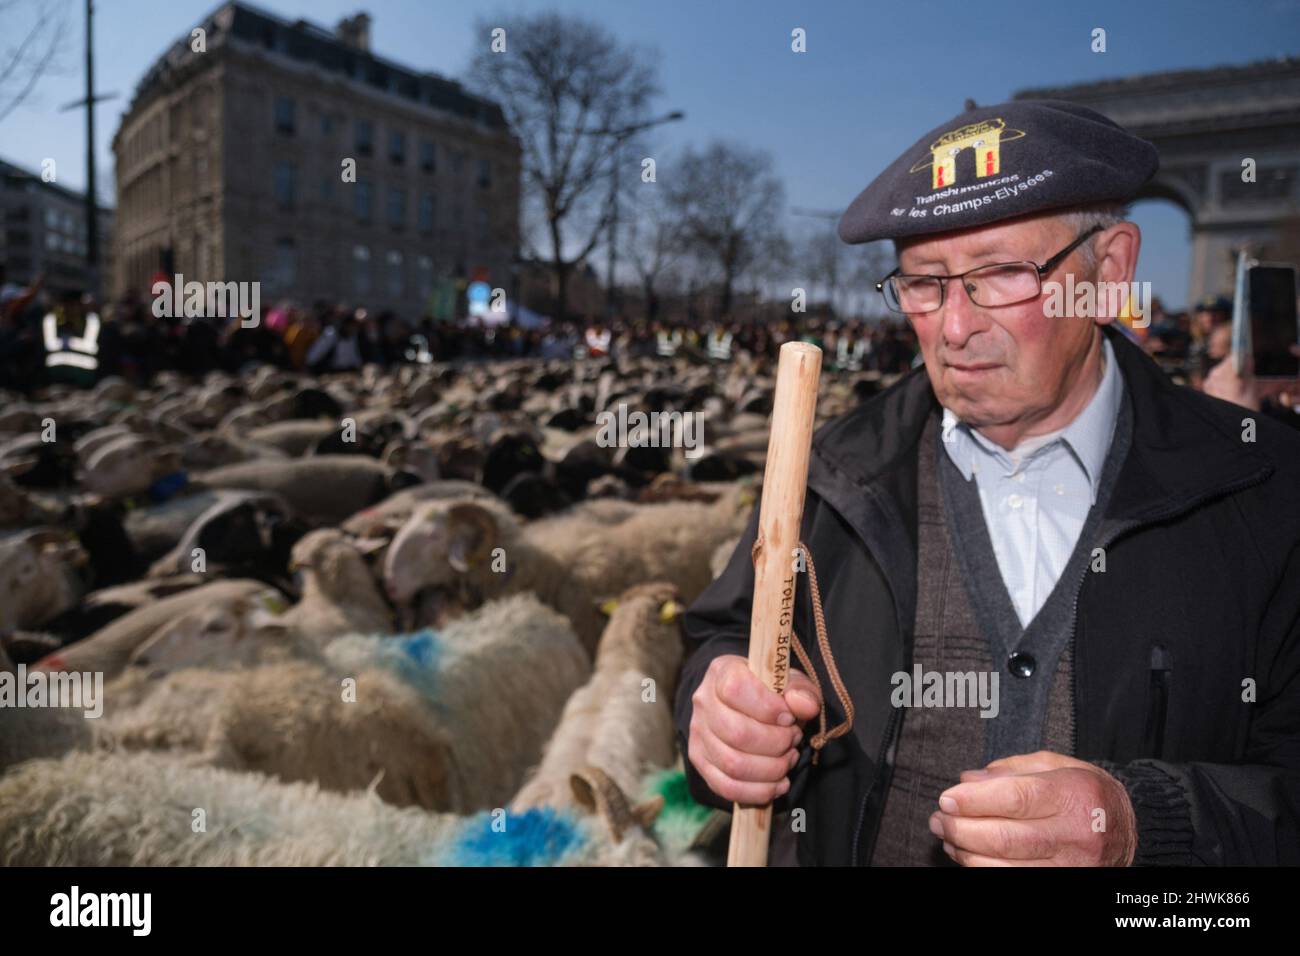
x=743, y=734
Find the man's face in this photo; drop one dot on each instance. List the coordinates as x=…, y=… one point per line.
x=1003, y=366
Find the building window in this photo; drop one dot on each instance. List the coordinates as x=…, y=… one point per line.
x=394, y=273
x=327, y=189
x=286, y=264
x=481, y=222
x=484, y=174
x=326, y=124
x=360, y=270
x=426, y=213
x=284, y=114
x=285, y=173
x=362, y=187
x=397, y=146
x=365, y=139
x=424, y=276
x=396, y=206
x=428, y=158
x=457, y=161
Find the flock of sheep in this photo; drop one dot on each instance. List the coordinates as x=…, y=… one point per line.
x=424, y=616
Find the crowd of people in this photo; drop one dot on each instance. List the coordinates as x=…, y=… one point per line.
x=131, y=341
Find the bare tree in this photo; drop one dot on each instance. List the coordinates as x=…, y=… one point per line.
x=567, y=87
x=29, y=51
x=728, y=203
x=654, y=241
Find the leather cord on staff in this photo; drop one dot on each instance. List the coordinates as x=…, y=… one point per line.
x=819, y=739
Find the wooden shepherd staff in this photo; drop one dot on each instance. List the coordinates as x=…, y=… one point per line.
x=780, y=514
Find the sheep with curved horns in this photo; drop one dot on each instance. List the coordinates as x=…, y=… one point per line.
x=106, y=809
x=446, y=555
x=621, y=720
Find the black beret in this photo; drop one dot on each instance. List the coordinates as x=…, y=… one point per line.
x=996, y=162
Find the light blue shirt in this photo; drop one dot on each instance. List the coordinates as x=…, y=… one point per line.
x=1036, y=497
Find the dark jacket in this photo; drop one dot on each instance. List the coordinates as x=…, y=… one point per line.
x=1200, y=596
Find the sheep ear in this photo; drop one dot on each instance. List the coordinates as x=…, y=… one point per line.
x=370, y=546
x=473, y=533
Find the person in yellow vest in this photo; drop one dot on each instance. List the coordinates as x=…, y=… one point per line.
x=70, y=332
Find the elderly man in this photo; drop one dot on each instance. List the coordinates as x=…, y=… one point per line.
x=1038, y=516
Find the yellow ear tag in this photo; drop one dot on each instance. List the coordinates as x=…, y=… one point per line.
x=669, y=611
x=608, y=607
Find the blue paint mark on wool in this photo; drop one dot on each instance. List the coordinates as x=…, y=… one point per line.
x=540, y=836
x=415, y=658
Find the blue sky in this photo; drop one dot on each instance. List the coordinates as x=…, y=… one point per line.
x=876, y=75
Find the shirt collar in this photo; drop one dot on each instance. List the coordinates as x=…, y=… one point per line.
x=1088, y=437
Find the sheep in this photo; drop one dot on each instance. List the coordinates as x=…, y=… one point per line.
x=339, y=593
x=609, y=723
x=324, y=489
x=216, y=448
x=244, y=534
x=245, y=630
x=498, y=679
x=109, y=648
x=453, y=720
x=104, y=809
x=387, y=517
x=447, y=552
x=38, y=577
x=293, y=437
x=19, y=508
x=156, y=529
x=127, y=465
x=443, y=562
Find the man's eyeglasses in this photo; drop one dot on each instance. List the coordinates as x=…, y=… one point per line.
x=1002, y=283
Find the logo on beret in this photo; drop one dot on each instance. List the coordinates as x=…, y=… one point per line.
x=985, y=139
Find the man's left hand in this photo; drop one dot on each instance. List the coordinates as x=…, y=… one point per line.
x=1039, y=809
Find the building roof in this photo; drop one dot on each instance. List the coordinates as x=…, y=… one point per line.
x=319, y=46
x=10, y=171
x=1169, y=79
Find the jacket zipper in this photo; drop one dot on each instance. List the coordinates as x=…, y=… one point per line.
x=885, y=742
x=1157, y=714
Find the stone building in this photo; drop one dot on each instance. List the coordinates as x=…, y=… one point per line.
x=43, y=232
x=1229, y=144
x=231, y=166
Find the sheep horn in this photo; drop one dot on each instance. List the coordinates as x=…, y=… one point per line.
x=597, y=792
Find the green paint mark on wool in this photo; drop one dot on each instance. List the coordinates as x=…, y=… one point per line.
x=681, y=819
x=678, y=803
